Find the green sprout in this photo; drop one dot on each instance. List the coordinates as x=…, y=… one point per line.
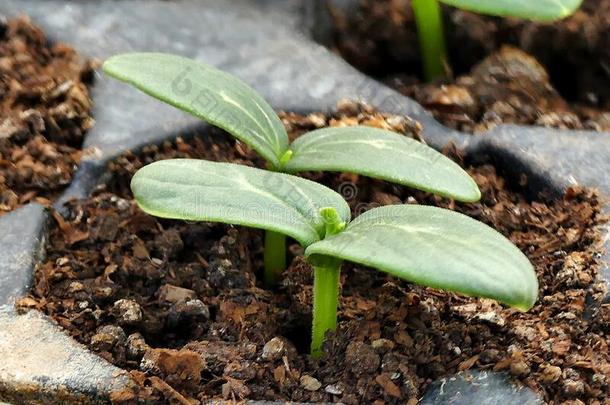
x=425, y=245
x=422, y=244
x=429, y=22
x=226, y=102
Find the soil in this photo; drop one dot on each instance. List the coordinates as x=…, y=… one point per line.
x=44, y=112
x=504, y=70
x=180, y=305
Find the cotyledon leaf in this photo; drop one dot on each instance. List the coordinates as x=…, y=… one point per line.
x=543, y=10
x=384, y=155
x=207, y=93
x=438, y=248
x=200, y=190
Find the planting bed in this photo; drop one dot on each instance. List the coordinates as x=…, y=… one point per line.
x=44, y=113
x=180, y=305
x=505, y=70
x=214, y=337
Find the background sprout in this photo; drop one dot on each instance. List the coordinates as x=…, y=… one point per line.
x=227, y=102
x=426, y=245
x=429, y=22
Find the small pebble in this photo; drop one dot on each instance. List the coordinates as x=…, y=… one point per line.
x=122, y=204
x=136, y=346
x=196, y=309
x=106, y=337
x=382, y=345
x=567, y=315
x=189, y=311
x=573, y=387
x=127, y=312
x=550, y=374
x=274, y=349
x=102, y=292
x=333, y=389
x=519, y=368
x=75, y=287
x=491, y=317
x=173, y=294
x=310, y=383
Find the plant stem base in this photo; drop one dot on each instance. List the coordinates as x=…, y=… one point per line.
x=325, y=302
x=429, y=21
x=274, y=257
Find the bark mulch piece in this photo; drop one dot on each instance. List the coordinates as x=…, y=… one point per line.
x=180, y=306
x=493, y=82
x=45, y=110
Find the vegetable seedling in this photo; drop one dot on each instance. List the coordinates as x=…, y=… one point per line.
x=227, y=102
x=426, y=245
x=429, y=22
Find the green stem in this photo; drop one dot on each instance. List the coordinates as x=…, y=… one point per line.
x=429, y=21
x=325, y=302
x=274, y=257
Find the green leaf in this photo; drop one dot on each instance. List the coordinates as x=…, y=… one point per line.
x=543, y=10
x=199, y=190
x=384, y=155
x=207, y=93
x=437, y=248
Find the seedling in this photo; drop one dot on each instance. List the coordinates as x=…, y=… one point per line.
x=429, y=22
x=425, y=245
x=422, y=244
x=226, y=102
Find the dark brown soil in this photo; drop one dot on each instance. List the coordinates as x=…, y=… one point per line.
x=44, y=112
x=559, y=78
x=180, y=305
